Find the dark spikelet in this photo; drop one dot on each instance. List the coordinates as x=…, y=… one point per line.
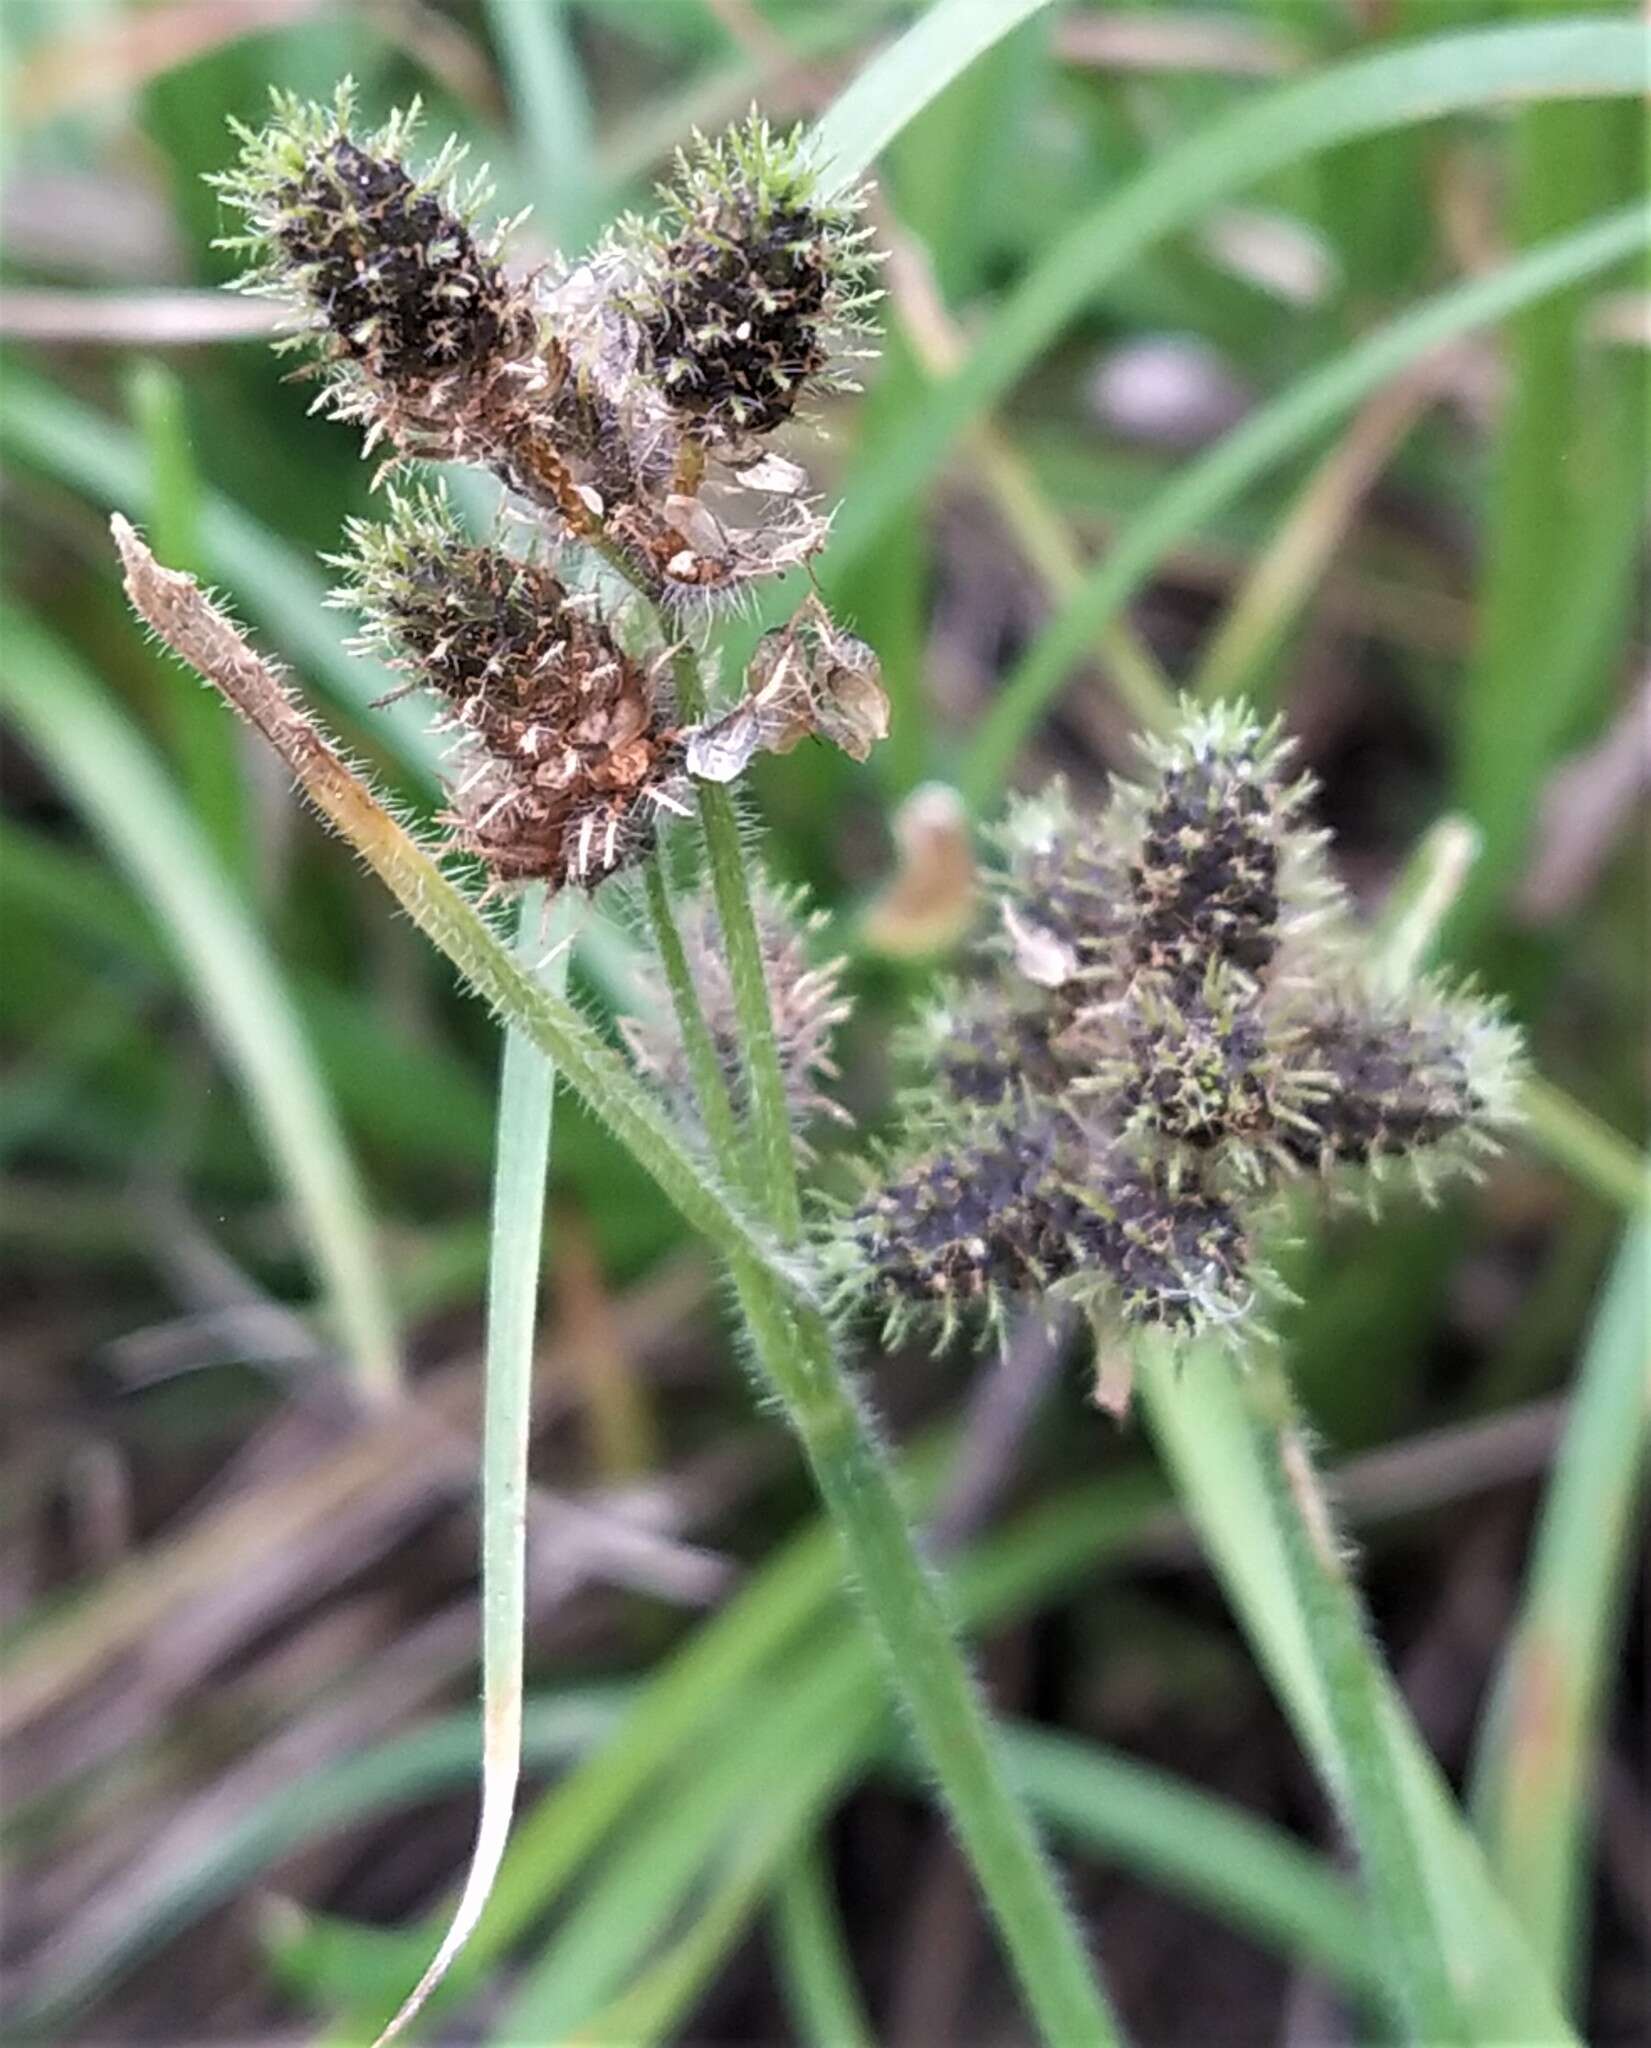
x=748, y=293
x=1195, y=1071
x=565, y=750
x=992, y=1051
x=973, y=1223
x=396, y=274
x=1392, y=1085
x=389, y=261
x=1206, y=870
x=1176, y=1257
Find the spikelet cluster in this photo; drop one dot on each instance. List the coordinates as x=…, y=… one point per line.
x=625, y=395
x=808, y=1000
x=1174, y=1022
x=622, y=400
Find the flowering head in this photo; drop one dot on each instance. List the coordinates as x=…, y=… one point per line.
x=1174, y=1025
x=752, y=283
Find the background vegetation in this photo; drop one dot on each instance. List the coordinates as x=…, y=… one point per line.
x=1209, y=359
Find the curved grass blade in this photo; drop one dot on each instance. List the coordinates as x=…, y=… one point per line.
x=1393, y=1852
x=1277, y=430
x=1202, y=1430
x=542, y=73
x=897, y=85
x=1419, y=81
x=1532, y=1779
x=126, y=798
x=527, y=1087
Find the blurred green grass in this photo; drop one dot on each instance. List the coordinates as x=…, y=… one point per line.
x=1510, y=510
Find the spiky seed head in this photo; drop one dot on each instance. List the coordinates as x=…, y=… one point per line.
x=389, y=260
x=1426, y=1077
x=806, y=996
x=1175, y=1020
x=750, y=285
x=1206, y=870
x=565, y=748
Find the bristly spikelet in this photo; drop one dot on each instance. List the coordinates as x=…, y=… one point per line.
x=429, y=342
x=1207, y=869
x=988, y=1050
x=565, y=748
x=808, y=1001
x=751, y=286
x=968, y=1227
x=1420, y=1079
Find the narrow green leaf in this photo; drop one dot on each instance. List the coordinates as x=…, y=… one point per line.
x=899, y=83
x=541, y=70
x=1533, y=1789
x=815, y=1973
x=527, y=1086
x=1419, y=81
x=204, y=741
x=1199, y=1423
x=1393, y=1855
x=114, y=779
x=1277, y=430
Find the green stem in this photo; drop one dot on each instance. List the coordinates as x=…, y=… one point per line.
x=911, y=1619
x=1573, y=1137
x=200, y=635
x=1391, y=1857
x=770, y=1107
x=765, y=1079
x=903, y=1603
x=710, y=1087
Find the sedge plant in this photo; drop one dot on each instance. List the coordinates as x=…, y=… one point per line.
x=1170, y=1026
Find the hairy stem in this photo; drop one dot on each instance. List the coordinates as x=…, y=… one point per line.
x=904, y=1604
x=911, y=1620
x=181, y=614
x=1391, y=1856
x=704, y=1067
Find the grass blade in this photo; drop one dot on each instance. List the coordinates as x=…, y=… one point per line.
x=897, y=85
x=1420, y=81
x=202, y=741
x=1199, y=1422
x=1392, y=1857
x=128, y=801
x=1277, y=430
x=1241, y=658
x=815, y=1972
x=541, y=70
x=1565, y=511
x=1532, y=1781
x=527, y=1086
